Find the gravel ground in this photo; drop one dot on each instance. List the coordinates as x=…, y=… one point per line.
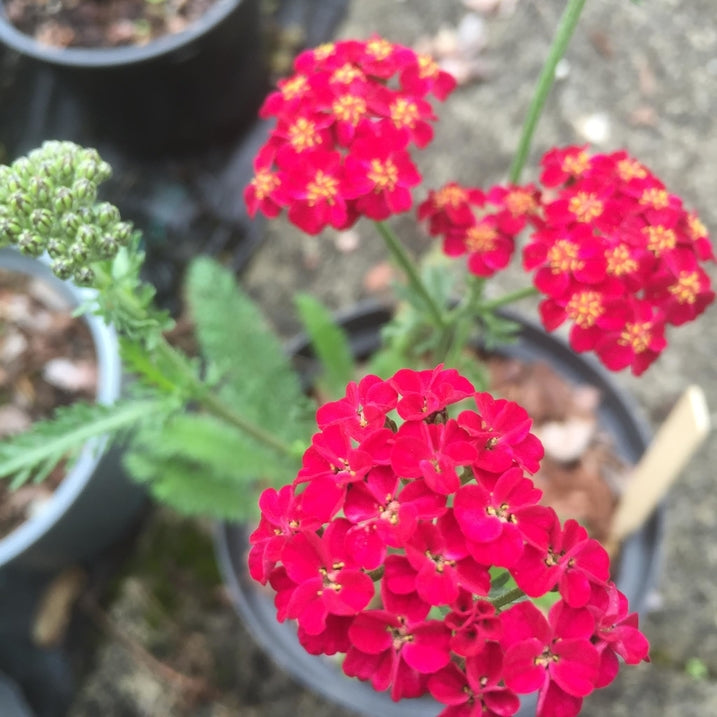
x=638, y=76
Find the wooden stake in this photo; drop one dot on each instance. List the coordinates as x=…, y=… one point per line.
x=676, y=441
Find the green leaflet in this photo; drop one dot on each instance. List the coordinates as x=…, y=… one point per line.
x=258, y=381
x=201, y=465
x=330, y=344
x=35, y=452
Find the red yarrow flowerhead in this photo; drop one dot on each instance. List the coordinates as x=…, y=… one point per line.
x=617, y=254
x=345, y=120
x=412, y=501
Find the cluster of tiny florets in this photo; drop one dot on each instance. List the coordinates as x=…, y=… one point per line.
x=390, y=544
x=48, y=204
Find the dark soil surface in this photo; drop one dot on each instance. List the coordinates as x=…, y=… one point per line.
x=47, y=360
x=102, y=23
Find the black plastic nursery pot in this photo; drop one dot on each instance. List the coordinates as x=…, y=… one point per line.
x=179, y=92
x=637, y=569
x=96, y=503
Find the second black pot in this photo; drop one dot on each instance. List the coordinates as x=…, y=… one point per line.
x=177, y=93
x=636, y=572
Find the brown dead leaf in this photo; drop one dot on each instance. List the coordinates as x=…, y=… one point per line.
x=378, y=278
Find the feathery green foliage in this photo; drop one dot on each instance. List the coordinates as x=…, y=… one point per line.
x=257, y=379
x=33, y=454
x=198, y=463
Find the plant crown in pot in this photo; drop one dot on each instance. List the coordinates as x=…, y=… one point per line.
x=398, y=521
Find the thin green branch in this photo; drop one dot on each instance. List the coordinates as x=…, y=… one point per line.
x=568, y=22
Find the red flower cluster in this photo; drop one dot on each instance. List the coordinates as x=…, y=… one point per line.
x=399, y=500
x=344, y=122
x=484, y=226
x=617, y=255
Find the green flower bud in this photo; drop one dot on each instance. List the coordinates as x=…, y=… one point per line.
x=122, y=233
x=9, y=229
x=39, y=190
x=84, y=276
x=11, y=183
x=30, y=243
x=56, y=248
x=23, y=168
x=106, y=214
x=84, y=190
x=107, y=246
x=63, y=200
x=79, y=253
x=70, y=222
x=87, y=235
x=41, y=220
x=63, y=268
x=20, y=203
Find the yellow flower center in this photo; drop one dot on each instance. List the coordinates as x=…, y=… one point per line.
x=303, y=134
x=628, y=169
x=585, y=308
x=519, y=202
x=563, y=257
x=294, y=87
x=384, y=175
x=322, y=187
x=619, y=261
x=696, y=228
x=450, y=196
x=322, y=52
x=481, y=238
x=349, y=108
x=379, y=48
x=636, y=335
x=660, y=239
x=427, y=67
x=576, y=164
x=264, y=183
x=404, y=113
x=585, y=206
x=655, y=198
x=346, y=74
x=687, y=287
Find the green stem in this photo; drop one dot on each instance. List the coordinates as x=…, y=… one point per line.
x=568, y=22
x=507, y=598
x=399, y=255
x=213, y=404
x=496, y=303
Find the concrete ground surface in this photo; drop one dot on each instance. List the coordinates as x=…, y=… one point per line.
x=637, y=76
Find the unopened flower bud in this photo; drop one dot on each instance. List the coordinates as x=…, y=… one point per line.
x=30, y=243
x=84, y=190
x=39, y=190
x=79, y=253
x=41, y=220
x=106, y=214
x=23, y=168
x=122, y=233
x=62, y=268
x=70, y=221
x=55, y=248
x=87, y=235
x=9, y=230
x=63, y=200
x=107, y=246
x=20, y=203
x=84, y=276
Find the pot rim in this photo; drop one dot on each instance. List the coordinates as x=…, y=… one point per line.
x=109, y=384
x=636, y=571
x=111, y=57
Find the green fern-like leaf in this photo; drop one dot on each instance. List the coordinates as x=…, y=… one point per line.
x=330, y=344
x=32, y=454
x=235, y=339
x=201, y=465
